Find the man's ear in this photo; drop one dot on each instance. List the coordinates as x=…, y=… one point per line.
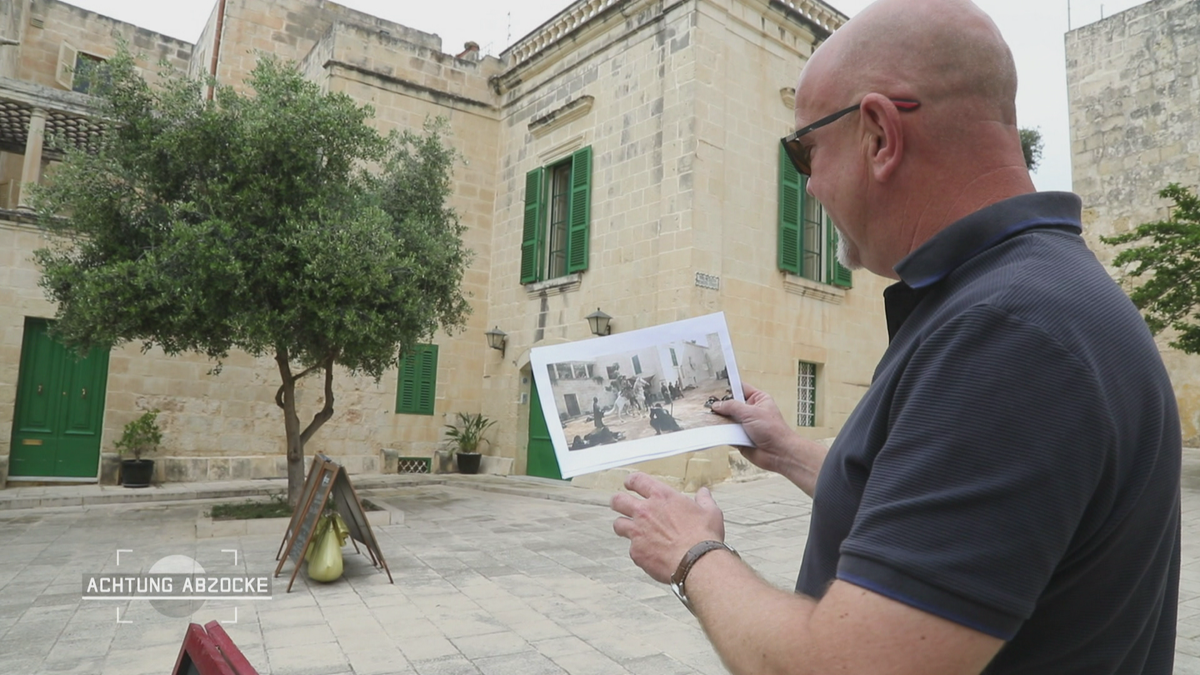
x=885, y=136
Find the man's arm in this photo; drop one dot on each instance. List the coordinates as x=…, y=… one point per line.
x=777, y=447
x=761, y=630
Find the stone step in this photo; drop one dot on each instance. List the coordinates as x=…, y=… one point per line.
x=90, y=495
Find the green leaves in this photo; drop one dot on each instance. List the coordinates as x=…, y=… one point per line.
x=252, y=222
x=1031, y=146
x=469, y=432
x=1170, y=262
x=140, y=436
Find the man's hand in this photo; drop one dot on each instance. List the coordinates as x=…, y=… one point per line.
x=760, y=417
x=778, y=447
x=663, y=524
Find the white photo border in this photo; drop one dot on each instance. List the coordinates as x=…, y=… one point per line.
x=577, y=462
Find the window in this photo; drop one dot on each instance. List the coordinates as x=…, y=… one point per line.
x=554, y=236
x=674, y=359
x=90, y=71
x=79, y=71
x=807, y=239
x=637, y=366
x=418, y=381
x=806, y=395
x=570, y=371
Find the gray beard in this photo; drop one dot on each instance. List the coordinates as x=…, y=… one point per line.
x=843, y=254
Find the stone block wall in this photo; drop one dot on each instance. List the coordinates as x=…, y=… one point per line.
x=20, y=296
x=684, y=115
x=681, y=105
x=1134, y=94
x=289, y=29
x=407, y=83
x=227, y=425
x=617, y=90
x=748, y=59
x=47, y=24
x=214, y=425
x=11, y=25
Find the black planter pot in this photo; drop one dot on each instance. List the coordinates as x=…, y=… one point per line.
x=136, y=473
x=468, y=462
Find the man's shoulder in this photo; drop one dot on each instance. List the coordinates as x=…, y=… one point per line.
x=1048, y=278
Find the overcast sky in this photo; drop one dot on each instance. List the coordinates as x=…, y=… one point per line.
x=1034, y=30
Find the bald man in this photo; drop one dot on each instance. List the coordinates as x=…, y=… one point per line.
x=1005, y=497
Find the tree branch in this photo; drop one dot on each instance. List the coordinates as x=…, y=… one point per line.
x=306, y=371
x=327, y=412
x=285, y=374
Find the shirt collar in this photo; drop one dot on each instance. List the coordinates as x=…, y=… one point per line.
x=971, y=235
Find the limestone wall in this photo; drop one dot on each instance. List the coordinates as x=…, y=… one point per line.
x=684, y=117
x=218, y=425
x=407, y=83
x=50, y=23
x=12, y=23
x=289, y=29
x=745, y=76
x=631, y=65
x=1134, y=93
x=227, y=425
x=681, y=105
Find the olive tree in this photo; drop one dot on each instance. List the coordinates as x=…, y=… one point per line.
x=278, y=222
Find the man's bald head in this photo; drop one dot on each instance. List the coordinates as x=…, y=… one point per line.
x=931, y=50
x=892, y=177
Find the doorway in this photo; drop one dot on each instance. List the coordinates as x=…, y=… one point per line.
x=540, y=459
x=59, y=411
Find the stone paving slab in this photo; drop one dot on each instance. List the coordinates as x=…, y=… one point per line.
x=493, y=576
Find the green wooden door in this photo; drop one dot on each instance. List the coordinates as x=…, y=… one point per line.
x=59, y=408
x=540, y=459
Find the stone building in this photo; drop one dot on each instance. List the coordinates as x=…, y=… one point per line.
x=1134, y=93
x=624, y=157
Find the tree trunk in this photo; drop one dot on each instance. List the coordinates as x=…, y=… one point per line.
x=285, y=398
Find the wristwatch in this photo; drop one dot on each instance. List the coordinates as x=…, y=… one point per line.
x=685, y=566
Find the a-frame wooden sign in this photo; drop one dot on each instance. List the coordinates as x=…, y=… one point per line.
x=327, y=484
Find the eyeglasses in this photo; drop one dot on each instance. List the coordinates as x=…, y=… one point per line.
x=800, y=155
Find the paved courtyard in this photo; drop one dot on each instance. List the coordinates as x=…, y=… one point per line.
x=527, y=581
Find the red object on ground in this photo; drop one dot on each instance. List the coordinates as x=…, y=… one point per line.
x=208, y=650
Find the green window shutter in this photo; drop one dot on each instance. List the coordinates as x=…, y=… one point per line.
x=838, y=275
x=427, y=380
x=581, y=207
x=532, y=227
x=418, y=381
x=790, y=196
x=406, y=388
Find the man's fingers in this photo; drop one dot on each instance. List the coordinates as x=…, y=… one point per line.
x=644, y=485
x=731, y=408
x=623, y=527
x=623, y=504
x=704, y=498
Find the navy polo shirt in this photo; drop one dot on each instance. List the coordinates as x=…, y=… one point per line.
x=1014, y=466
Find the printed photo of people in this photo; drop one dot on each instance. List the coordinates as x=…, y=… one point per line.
x=655, y=390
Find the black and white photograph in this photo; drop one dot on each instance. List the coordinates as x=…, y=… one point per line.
x=636, y=396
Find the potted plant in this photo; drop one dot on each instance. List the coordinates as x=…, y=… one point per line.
x=141, y=436
x=465, y=438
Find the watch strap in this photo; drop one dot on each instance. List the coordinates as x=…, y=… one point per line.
x=688, y=561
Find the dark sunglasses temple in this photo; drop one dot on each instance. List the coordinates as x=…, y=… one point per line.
x=796, y=152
